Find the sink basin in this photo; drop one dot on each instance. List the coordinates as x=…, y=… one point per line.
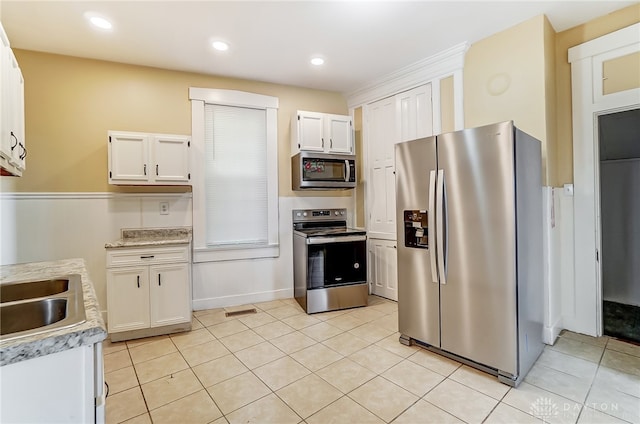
x=34, y=307
x=30, y=315
x=23, y=291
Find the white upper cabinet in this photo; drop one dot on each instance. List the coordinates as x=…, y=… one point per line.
x=13, y=150
x=321, y=132
x=148, y=159
x=414, y=113
x=171, y=158
x=405, y=116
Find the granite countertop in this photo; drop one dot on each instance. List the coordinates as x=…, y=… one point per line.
x=93, y=330
x=151, y=237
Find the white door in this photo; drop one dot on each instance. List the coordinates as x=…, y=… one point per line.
x=310, y=131
x=383, y=256
x=414, y=113
x=339, y=133
x=381, y=136
x=128, y=298
x=128, y=155
x=169, y=292
x=171, y=158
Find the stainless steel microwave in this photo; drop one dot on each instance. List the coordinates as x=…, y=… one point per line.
x=322, y=171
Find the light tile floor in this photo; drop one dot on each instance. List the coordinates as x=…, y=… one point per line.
x=280, y=365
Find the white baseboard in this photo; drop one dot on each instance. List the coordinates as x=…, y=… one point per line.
x=550, y=334
x=242, y=299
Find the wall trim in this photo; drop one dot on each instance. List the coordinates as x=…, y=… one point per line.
x=437, y=66
x=91, y=195
x=551, y=333
x=241, y=299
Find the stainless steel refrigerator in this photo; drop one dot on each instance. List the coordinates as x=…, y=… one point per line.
x=469, y=222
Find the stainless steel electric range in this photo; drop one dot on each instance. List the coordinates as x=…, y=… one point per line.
x=329, y=261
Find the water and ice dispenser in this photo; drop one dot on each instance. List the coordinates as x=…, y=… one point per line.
x=416, y=229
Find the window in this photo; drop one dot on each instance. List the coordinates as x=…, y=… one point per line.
x=235, y=187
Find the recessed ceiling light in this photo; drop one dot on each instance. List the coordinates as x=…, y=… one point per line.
x=98, y=21
x=220, y=45
x=317, y=61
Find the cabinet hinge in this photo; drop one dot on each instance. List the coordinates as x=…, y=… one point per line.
x=109, y=139
x=109, y=174
x=189, y=175
x=298, y=117
x=597, y=256
x=189, y=143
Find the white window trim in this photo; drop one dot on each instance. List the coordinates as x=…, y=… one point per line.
x=202, y=252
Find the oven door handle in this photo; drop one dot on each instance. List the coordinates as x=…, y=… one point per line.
x=342, y=239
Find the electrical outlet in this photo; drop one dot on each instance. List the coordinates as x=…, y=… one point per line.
x=164, y=208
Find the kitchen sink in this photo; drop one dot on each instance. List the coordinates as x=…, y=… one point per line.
x=22, y=291
x=34, y=307
x=30, y=315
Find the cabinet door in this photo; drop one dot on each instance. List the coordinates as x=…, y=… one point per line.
x=414, y=113
x=170, y=294
x=5, y=97
x=310, y=131
x=171, y=158
x=383, y=262
x=381, y=137
x=128, y=155
x=128, y=298
x=339, y=133
x=19, y=153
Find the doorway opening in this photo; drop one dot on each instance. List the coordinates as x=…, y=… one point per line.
x=619, y=146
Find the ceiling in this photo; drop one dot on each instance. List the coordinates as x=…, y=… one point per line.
x=361, y=41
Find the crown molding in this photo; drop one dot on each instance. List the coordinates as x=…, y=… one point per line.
x=437, y=66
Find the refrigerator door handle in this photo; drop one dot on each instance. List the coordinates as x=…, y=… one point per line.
x=431, y=222
x=440, y=227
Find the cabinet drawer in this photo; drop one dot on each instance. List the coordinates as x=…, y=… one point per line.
x=146, y=256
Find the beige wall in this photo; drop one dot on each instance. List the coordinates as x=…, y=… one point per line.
x=504, y=79
x=71, y=103
x=565, y=40
x=621, y=73
x=550, y=116
x=447, y=119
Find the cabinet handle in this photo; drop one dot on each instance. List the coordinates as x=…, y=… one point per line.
x=145, y=169
x=157, y=169
x=331, y=143
x=159, y=282
x=13, y=146
x=147, y=257
x=138, y=281
x=322, y=142
x=24, y=151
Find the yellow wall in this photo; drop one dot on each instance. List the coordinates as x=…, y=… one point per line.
x=447, y=119
x=565, y=40
x=71, y=103
x=550, y=116
x=621, y=73
x=504, y=79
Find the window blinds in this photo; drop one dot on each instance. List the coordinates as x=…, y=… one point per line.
x=236, y=175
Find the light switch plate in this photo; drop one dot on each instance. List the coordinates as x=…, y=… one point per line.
x=568, y=190
x=164, y=208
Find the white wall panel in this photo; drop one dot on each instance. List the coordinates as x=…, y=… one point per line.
x=227, y=283
x=52, y=226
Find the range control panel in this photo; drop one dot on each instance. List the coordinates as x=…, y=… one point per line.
x=301, y=215
x=416, y=229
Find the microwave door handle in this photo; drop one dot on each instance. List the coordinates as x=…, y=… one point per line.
x=347, y=174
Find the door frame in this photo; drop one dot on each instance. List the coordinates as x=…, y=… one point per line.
x=583, y=311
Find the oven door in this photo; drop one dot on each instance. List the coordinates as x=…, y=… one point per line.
x=336, y=261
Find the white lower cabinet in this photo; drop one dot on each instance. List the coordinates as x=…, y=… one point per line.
x=66, y=386
x=148, y=290
x=383, y=268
